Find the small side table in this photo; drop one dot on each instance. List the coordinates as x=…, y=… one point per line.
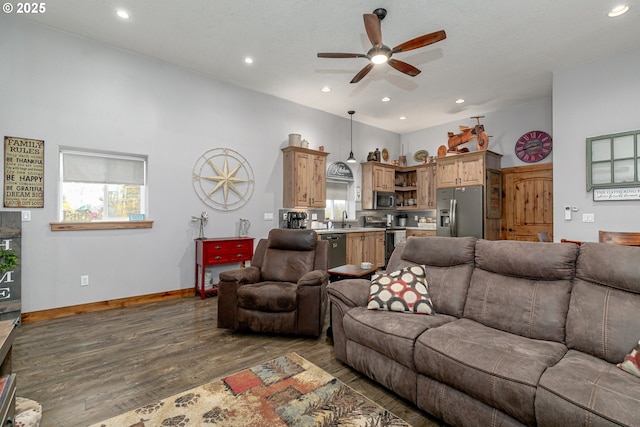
x=350, y=271
x=347, y=271
x=223, y=250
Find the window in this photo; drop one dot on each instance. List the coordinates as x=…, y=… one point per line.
x=613, y=160
x=336, y=200
x=101, y=186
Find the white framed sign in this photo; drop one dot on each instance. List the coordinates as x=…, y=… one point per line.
x=606, y=194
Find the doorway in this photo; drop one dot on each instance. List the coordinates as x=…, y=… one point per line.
x=527, y=196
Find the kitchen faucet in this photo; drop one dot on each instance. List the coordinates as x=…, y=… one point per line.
x=344, y=219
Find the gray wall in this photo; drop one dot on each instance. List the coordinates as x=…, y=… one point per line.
x=592, y=99
x=70, y=91
x=504, y=127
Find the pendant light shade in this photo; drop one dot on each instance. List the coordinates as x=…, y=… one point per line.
x=351, y=158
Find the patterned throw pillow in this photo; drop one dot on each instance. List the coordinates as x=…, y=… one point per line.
x=403, y=290
x=631, y=361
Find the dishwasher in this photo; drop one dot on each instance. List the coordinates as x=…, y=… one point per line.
x=337, y=249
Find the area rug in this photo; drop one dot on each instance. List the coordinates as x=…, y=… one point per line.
x=287, y=391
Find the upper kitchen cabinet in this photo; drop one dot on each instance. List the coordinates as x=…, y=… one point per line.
x=426, y=181
x=304, y=178
x=466, y=169
x=376, y=177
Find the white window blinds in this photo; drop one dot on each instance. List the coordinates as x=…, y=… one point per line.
x=102, y=168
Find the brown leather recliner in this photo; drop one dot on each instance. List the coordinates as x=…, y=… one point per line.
x=284, y=289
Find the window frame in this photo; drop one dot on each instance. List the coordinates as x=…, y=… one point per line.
x=107, y=224
x=611, y=161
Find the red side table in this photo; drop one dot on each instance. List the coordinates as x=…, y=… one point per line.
x=223, y=250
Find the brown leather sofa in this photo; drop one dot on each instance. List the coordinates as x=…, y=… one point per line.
x=284, y=291
x=525, y=333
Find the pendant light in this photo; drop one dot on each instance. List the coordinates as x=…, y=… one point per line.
x=351, y=159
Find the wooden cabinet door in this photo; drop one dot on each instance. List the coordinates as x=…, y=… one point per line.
x=380, y=249
x=426, y=183
x=447, y=175
x=383, y=178
x=301, y=177
x=354, y=248
x=317, y=182
x=471, y=170
x=527, y=202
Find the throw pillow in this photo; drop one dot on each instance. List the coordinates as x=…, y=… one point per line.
x=404, y=290
x=631, y=361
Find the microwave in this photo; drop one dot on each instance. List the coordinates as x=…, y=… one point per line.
x=383, y=200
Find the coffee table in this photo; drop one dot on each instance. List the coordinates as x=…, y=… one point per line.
x=342, y=272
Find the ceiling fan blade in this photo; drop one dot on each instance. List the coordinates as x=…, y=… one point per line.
x=372, y=25
x=403, y=67
x=421, y=41
x=342, y=55
x=362, y=73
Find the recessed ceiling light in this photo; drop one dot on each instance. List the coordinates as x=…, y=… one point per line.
x=248, y=60
x=385, y=99
x=122, y=13
x=459, y=101
x=618, y=10
x=326, y=89
x=402, y=118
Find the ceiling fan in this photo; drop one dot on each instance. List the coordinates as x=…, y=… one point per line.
x=380, y=53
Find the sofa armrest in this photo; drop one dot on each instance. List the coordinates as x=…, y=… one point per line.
x=241, y=275
x=351, y=292
x=314, y=278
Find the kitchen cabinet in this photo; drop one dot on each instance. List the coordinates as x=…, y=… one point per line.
x=376, y=177
x=465, y=169
x=426, y=186
x=367, y=246
x=420, y=233
x=304, y=178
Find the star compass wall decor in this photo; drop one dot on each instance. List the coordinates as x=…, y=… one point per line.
x=223, y=179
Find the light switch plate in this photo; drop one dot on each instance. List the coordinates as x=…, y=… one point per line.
x=26, y=215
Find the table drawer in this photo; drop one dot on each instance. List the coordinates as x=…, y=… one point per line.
x=226, y=257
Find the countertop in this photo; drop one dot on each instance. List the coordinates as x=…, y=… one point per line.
x=348, y=230
x=365, y=229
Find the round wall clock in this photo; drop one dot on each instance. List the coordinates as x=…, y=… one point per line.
x=223, y=179
x=533, y=146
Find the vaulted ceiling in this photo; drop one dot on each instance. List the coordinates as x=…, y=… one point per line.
x=497, y=53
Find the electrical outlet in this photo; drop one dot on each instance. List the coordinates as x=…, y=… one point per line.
x=84, y=280
x=268, y=216
x=588, y=217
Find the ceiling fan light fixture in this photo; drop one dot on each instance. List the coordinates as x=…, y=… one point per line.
x=379, y=59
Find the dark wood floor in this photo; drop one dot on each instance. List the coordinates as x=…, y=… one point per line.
x=90, y=367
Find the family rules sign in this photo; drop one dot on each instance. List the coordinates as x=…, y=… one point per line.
x=23, y=173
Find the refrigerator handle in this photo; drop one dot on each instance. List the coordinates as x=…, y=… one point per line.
x=454, y=225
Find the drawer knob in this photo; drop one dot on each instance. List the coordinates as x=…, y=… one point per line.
x=218, y=257
x=218, y=247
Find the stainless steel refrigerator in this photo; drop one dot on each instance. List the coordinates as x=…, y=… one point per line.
x=460, y=211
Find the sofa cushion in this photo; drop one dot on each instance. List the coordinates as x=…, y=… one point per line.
x=631, y=361
x=404, y=290
x=498, y=368
x=605, y=301
x=390, y=334
x=448, y=263
x=522, y=287
x=585, y=390
x=271, y=297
